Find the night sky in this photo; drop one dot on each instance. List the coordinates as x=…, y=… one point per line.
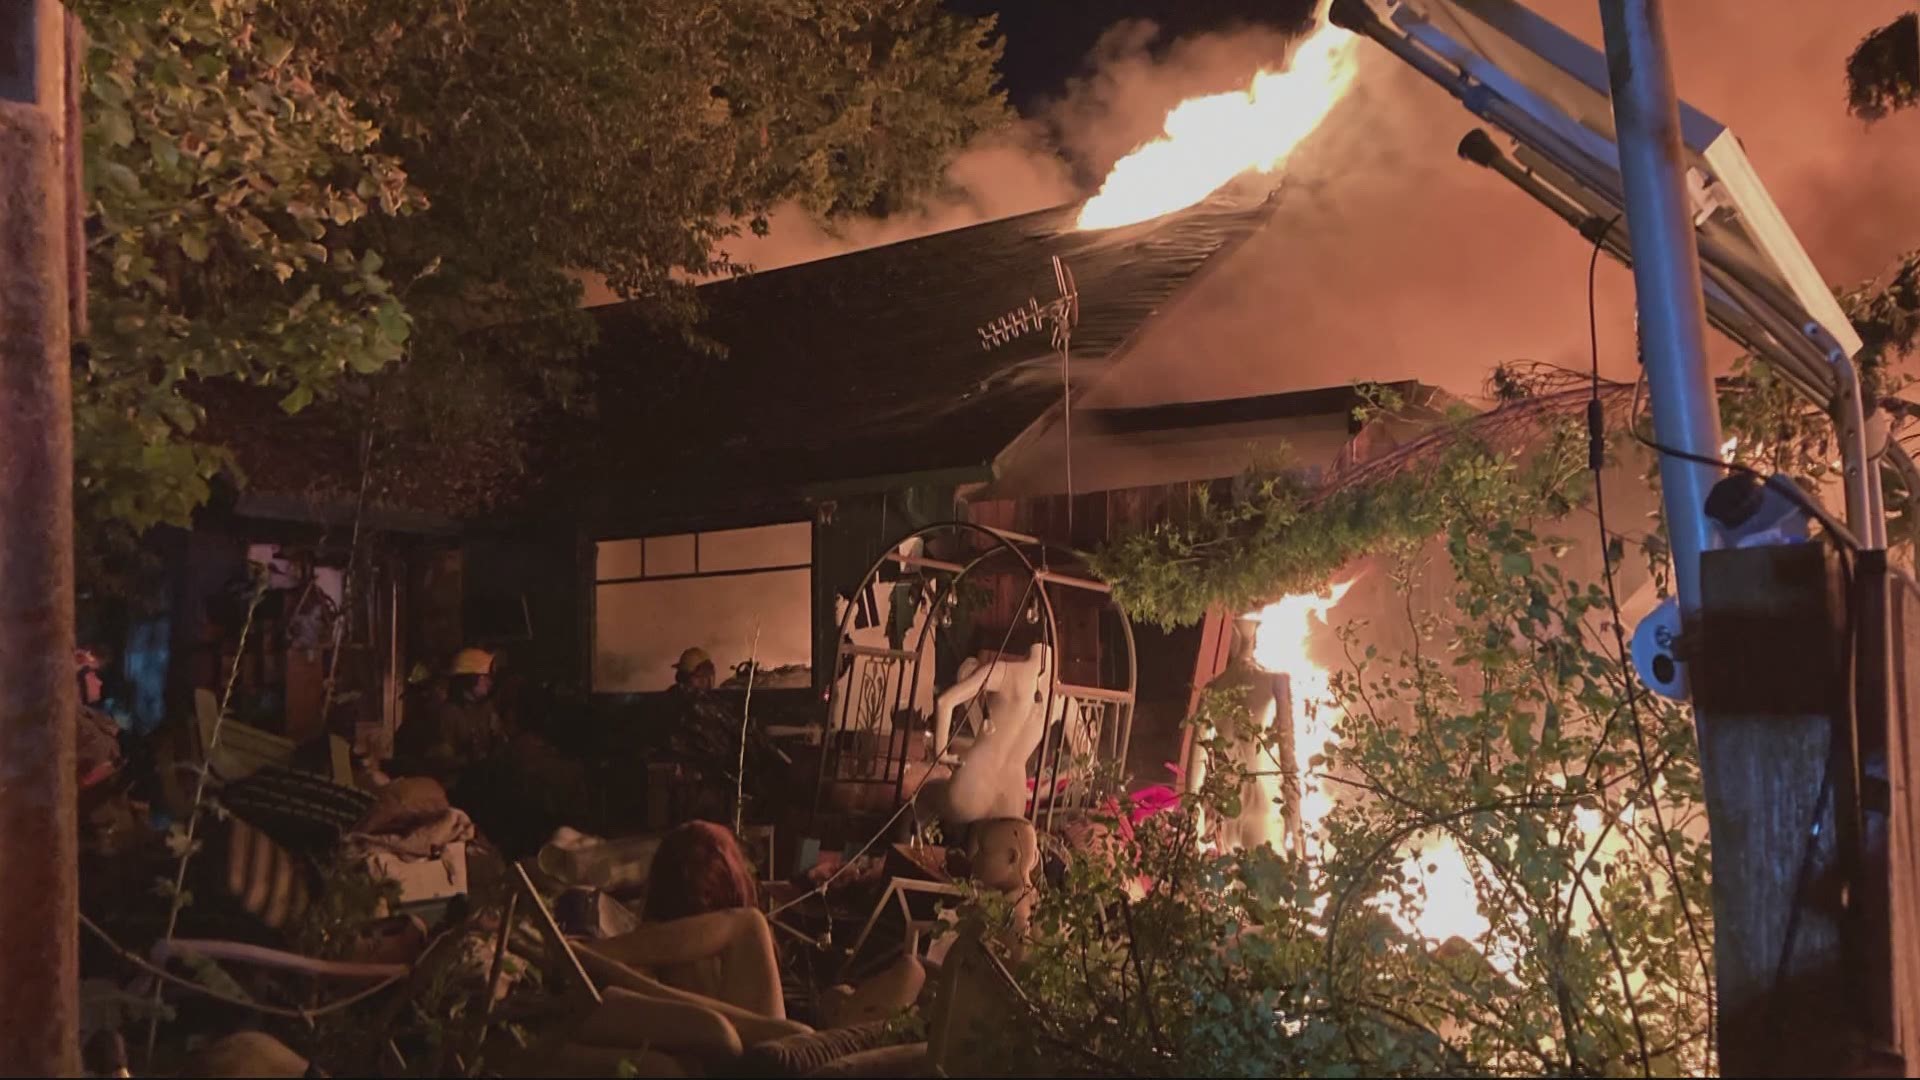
x=1048, y=39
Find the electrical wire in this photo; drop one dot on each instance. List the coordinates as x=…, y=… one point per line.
x=1596, y=461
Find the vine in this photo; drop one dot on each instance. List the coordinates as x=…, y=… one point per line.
x=1276, y=533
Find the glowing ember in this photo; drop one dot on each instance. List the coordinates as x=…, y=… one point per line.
x=1210, y=140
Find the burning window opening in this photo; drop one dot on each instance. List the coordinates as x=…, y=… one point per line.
x=1210, y=140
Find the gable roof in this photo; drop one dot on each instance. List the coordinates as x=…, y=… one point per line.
x=869, y=367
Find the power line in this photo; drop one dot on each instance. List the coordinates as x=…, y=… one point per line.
x=1596, y=461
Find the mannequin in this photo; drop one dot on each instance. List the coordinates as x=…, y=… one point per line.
x=991, y=781
x=1260, y=789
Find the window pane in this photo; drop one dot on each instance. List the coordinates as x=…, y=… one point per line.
x=746, y=549
x=640, y=628
x=616, y=559
x=670, y=555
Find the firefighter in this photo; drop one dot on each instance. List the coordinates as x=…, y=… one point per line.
x=693, y=674
x=459, y=725
x=469, y=720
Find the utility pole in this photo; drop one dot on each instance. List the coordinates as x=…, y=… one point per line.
x=39, y=857
x=1767, y=756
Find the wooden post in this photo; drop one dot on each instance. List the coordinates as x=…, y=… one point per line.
x=39, y=957
x=1770, y=690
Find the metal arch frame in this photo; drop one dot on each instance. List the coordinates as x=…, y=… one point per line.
x=1034, y=558
x=1568, y=168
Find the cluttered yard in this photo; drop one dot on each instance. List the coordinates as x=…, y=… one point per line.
x=461, y=614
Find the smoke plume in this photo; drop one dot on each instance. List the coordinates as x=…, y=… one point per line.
x=1119, y=100
x=1390, y=258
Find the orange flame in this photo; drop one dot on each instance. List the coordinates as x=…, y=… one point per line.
x=1446, y=904
x=1210, y=140
x=1280, y=646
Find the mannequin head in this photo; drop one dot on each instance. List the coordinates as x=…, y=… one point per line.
x=1003, y=853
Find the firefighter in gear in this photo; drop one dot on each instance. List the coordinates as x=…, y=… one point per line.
x=460, y=726
x=694, y=672
x=470, y=727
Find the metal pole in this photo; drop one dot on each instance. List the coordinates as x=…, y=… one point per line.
x=39, y=888
x=1666, y=277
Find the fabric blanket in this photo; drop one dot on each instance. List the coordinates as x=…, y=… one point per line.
x=427, y=839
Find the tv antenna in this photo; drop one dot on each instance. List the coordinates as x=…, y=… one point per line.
x=1059, y=315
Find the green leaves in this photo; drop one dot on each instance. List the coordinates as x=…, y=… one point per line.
x=220, y=173
x=1483, y=768
x=1279, y=535
x=1883, y=73
x=195, y=246
x=299, y=398
x=393, y=322
x=257, y=174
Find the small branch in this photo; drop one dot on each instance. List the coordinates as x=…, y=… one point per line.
x=276, y=958
x=746, y=712
x=200, y=793
x=1146, y=987
x=1620, y=969
x=350, y=582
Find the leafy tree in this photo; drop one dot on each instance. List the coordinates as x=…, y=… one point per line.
x=1883, y=74
x=1274, y=533
x=624, y=140
x=259, y=173
x=221, y=186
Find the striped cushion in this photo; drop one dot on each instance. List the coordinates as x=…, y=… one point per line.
x=267, y=881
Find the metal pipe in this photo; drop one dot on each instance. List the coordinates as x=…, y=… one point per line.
x=1666, y=276
x=1581, y=209
x=1563, y=175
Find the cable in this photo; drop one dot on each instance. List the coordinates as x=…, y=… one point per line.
x=1596, y=461
x=1842, y=537
x=1803, y=877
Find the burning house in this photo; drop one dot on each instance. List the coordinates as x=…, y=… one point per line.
x=731, y=499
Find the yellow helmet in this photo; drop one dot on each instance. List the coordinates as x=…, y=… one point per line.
x=472, y=662
x=693, y=660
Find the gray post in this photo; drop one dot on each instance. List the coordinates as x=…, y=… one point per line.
x=39, y=890
x=1666, y=276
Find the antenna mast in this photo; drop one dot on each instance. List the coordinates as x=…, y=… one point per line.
x=1059, y=315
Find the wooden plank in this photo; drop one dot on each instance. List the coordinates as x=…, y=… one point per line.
x=1902, y=860
x=1216, y=649
x=1767, y=695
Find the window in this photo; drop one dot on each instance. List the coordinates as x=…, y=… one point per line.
x=659, y=595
